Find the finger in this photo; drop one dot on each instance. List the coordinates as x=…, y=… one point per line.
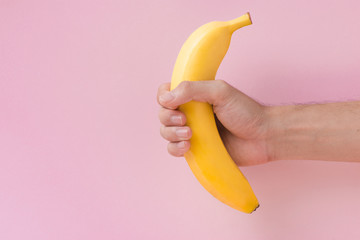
x=214, y=92
x=175, y=134
x=171, y=117
x=163, y=88
x=178, y=149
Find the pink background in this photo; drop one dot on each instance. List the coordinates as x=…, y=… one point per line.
x=80, y=152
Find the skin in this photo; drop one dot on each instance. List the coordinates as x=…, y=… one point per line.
x=254, y=133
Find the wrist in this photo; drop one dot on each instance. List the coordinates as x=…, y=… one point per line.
x=280, y=130
x=296, y=132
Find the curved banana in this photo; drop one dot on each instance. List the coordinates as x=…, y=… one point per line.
x=199, y=59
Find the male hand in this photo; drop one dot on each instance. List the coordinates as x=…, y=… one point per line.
x=242, y=122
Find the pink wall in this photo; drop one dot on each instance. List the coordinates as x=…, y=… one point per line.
x=80, y=152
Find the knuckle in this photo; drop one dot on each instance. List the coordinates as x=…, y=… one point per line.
x=184, y=90
x=165, y=116
x=169, y=133
x=173, y=150
x=163, y=86
x=161, y=89
x=185, y=86
x=163, y=131
x=222, y=90
x=160, y=113
x=222, y=85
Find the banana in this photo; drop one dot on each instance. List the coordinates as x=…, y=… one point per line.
x=199, y=59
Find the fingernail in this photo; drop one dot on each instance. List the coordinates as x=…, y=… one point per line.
x=181, y=144
x=166, y=97
x=182, y=132
x=176, y=119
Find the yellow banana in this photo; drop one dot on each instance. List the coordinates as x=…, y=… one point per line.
x=199, y=59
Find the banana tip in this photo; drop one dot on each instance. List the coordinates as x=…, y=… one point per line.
x=256, y=208
x=239, y=22
x=248, y=13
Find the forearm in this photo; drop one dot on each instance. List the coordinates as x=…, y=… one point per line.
x=316, y=132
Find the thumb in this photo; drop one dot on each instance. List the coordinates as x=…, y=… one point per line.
x=214, y=92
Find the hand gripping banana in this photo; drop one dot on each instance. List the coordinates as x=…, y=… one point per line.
x=199, y=59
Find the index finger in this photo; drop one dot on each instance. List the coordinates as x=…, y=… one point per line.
x=163, y=88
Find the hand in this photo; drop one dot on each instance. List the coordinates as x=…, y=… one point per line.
x=241, y=121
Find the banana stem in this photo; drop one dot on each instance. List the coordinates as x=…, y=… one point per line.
x=239, y=22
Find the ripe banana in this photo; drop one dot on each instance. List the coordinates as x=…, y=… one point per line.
x=199, y=59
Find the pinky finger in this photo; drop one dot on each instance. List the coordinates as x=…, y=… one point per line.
x=177, y=149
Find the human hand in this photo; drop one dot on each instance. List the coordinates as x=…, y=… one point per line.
x=242, y=122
